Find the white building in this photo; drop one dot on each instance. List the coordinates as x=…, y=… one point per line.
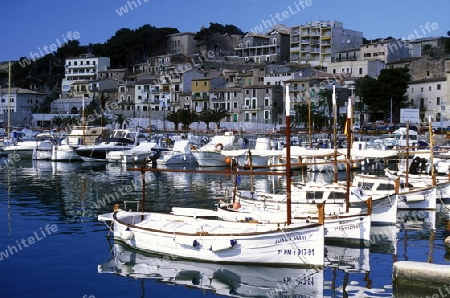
x=357, y=69
x=83, y=68
x=385, y=50
x=316, y=42
x=430, y=96
x=19, y=104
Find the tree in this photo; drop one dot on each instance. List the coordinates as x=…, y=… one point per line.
x=215, y=116
x=174, y=116
x=325, y=104
x=120, y=119
x=187, y=117
x=377, y=94
x=58, y=121
x=301, y=115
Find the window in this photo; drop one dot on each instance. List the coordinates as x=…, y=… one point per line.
x=428, y=73
x=267, y=115
x=438, y=87
x=429, y=88
x=438, y=101
x=360, y=70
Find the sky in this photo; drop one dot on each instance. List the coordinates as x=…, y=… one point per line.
x=41, y=26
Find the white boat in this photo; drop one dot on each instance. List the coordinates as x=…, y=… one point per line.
x=217, y=241
x=136, y=154
x=120, y=140
x=30, y=149
x=64, y=152
x=257, y=157
x=209, y=155
x=383, y=191
x=224, y=280
x=351, y=229
x=180, y=154
x=86, y=135
x=415, y=193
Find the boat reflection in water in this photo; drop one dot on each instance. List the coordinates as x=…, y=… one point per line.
x=228, y=280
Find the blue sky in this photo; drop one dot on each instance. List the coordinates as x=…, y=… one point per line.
x=30, y=25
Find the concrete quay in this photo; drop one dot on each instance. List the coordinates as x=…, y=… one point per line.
x=407, y=273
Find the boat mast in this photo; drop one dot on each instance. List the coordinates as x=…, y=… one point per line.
x=333, y=99
x=407, y=154
x=348, y=125
x=83, y=122
x=9, y=100
x=430, y=131
x=288, y=155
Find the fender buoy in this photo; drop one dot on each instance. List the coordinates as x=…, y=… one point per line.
x=193, y=147
x=127, y=234
x=219, y=146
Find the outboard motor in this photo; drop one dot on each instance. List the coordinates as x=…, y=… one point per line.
x=423, y=165
x=415, y=165
x=152, y=157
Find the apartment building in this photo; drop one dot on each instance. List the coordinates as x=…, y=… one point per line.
x=272, y=47
x=262, y=104
x=19, y=104
x=115, y=73
x=387, y=51
x=230, y=99
x=357, y=68
x=430, y=96
x=317, y=42
x=202, y=91
x=126, y=96
x=83, y=68
x=277, y=74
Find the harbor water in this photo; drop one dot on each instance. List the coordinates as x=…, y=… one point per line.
x=52, y=245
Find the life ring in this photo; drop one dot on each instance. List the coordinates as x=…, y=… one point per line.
x=219, y=146
x=193, y=147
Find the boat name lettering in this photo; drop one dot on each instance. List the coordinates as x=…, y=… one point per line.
x=299, y=237
x=298, y=280
x=348, y=227
x=297, y=251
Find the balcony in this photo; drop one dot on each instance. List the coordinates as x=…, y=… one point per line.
x=201, y=97
x=252, y=107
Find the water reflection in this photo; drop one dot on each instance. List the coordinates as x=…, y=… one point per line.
x=227, y=280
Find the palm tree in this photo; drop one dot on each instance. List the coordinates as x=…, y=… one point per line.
x=120, y=119
x=59, y=120
x=215, y=116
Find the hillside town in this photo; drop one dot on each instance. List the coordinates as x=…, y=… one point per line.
x=244, y=75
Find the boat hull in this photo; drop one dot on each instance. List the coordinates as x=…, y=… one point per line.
x=210, y=159
x=196, y=239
